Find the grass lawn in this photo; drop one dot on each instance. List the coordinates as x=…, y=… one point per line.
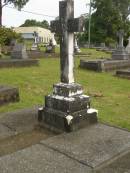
x=113, y=94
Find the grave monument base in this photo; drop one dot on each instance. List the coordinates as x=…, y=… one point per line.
x=8, y=94
x=101, y=65
x=123, y=73
x=67, y=109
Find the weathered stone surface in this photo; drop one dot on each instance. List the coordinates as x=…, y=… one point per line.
x=5, y=131
x=104, y=65
x=67, y=90
x=66, y=26
x=123, y=73
x=8, y=94
x=121, y=165
x=93, y=145
x=20, y=121
x=40, y=159
x=19, y=52
x=19, y=63
x=67, y=109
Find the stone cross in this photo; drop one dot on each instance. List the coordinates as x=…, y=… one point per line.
x=121, y=34
x=65, y=27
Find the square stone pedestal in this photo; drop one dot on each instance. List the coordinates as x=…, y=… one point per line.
x=67, y=109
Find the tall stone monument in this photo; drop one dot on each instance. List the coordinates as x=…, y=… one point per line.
x=120, y=53
x=67, y=109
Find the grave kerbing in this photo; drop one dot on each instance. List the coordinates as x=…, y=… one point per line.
x=67, y=109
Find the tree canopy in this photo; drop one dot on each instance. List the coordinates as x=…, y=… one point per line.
x=43, y=24
x=17, y=3
x=107, y=18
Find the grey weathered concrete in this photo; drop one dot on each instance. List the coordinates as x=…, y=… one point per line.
x=5, y=131
x=101, y=65
x=8, y=94
x=123, y=73
x=93, y=145
x=19, y=121
x=121, y=165
x=98, y=149
x=40, y=159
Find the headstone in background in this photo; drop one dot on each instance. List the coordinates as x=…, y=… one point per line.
x=128, y=46
x=35, y=44
x=19, y=51
x=50, y=48
x=76, y=47
x=67, y=109
x=120, y=53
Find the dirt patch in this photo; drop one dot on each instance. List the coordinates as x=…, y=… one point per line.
x=23, y=140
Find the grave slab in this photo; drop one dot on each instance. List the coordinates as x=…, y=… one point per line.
x=8, y=94
x=18, y=63
x=92, y=146
x=101, y=65
x=123, y=73
x=40, y=159
x=20, y=121
x=121, y=165
x=5, y=131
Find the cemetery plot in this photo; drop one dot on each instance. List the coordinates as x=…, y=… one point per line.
x=19, y=58
x=104, y=65
x=8, y=94
x=120, y=59
x=123, y=73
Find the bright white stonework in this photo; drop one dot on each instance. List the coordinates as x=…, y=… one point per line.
x=91, y=110
x=69, y=119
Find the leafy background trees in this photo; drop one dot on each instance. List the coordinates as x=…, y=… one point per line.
x=43, y=24
x=17, y=3
x=107, y=18
x=7, y=35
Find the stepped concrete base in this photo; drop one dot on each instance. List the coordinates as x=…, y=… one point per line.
x=19, y=63
x=104, y=65
x=98, y=148
x=67, y=109
x=123, y=73
x=8, y=94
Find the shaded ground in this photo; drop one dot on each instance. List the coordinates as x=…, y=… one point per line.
x=23, y=140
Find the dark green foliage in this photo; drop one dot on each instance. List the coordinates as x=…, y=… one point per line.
x=7, y=35
x=107, y=18
x=17, y=3
x=43, y=24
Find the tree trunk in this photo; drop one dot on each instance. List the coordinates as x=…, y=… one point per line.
x=0, y=13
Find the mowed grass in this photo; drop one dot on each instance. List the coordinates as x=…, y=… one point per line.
x=112, y=93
